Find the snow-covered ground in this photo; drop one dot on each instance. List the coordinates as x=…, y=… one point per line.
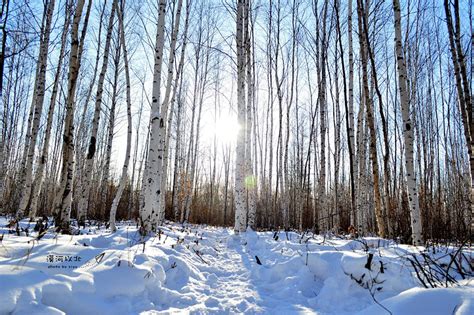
x=200, y=269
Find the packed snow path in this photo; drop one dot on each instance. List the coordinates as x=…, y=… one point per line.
x=227, y=283
x=201, y=270
x=228, y=269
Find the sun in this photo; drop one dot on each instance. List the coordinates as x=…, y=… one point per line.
x=225, y=129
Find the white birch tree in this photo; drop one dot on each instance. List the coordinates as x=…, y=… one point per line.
x=84, y=188
x=64, y=195
x=49, y=122
x=250, y=180
x=38, y=100
x=240, y=224
x=152, y=181
x=416, y=227
x=169, y=97
x=124, y=175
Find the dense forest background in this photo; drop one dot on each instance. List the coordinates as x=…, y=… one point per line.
x=330, y=121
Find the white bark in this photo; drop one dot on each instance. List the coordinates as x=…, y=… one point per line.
x=250, y=179
x=82, y=131
x=85, y=184
x=361, y=169
x=166, y=101
x=38, y=100
x=133, y=188
x=417, y=233
x=151, y=187
x=322, y=207
x=104, y=181
x=177, y=177
x=351, y=107
x=110, y=133
x=240, y=217
x=366, y=95
x=64, y=196
x=124, y=176
x=49, y=123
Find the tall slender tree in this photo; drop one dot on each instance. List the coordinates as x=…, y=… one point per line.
x=240, y=200
x=38, y=100
x=124, y=175
x=463, y=87
x=49, y=121
x=64, y=195
x=151, y=187
x=416, y=226
x=86, y=184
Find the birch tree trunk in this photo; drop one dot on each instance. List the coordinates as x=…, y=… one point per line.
x=417, y=233
x=350, y=114
x=348, y=106
x=170, y=92
x=226, y=160
x=381, y=228
x=124, y=176
x=322, y=127
x=269, y=123
x=38, y=100
x=108, y=134
x=179, y=78
x=463, y=88
x=335, y=213
x=375, y=83
x=24, y=156
x=3, y=45
x=82, y=131
x=189, y=172
x=84, y=190
x=249, y=175
x=63, y=204
x=280, y=194
x=49, y=122
x=151, y=187
x=240, y=217
x=177, y=175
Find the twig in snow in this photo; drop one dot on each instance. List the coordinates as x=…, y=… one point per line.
x=417, y=273
x=200, y=256
x=453, y=258
x=372, y=294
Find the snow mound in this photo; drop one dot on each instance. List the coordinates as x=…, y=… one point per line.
x=200, y=269
x=459, y=300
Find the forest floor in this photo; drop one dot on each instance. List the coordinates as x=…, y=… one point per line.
x=202, y=269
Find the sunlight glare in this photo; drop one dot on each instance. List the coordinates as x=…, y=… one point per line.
x=225, y=129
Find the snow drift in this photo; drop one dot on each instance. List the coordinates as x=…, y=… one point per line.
x=200, y=269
